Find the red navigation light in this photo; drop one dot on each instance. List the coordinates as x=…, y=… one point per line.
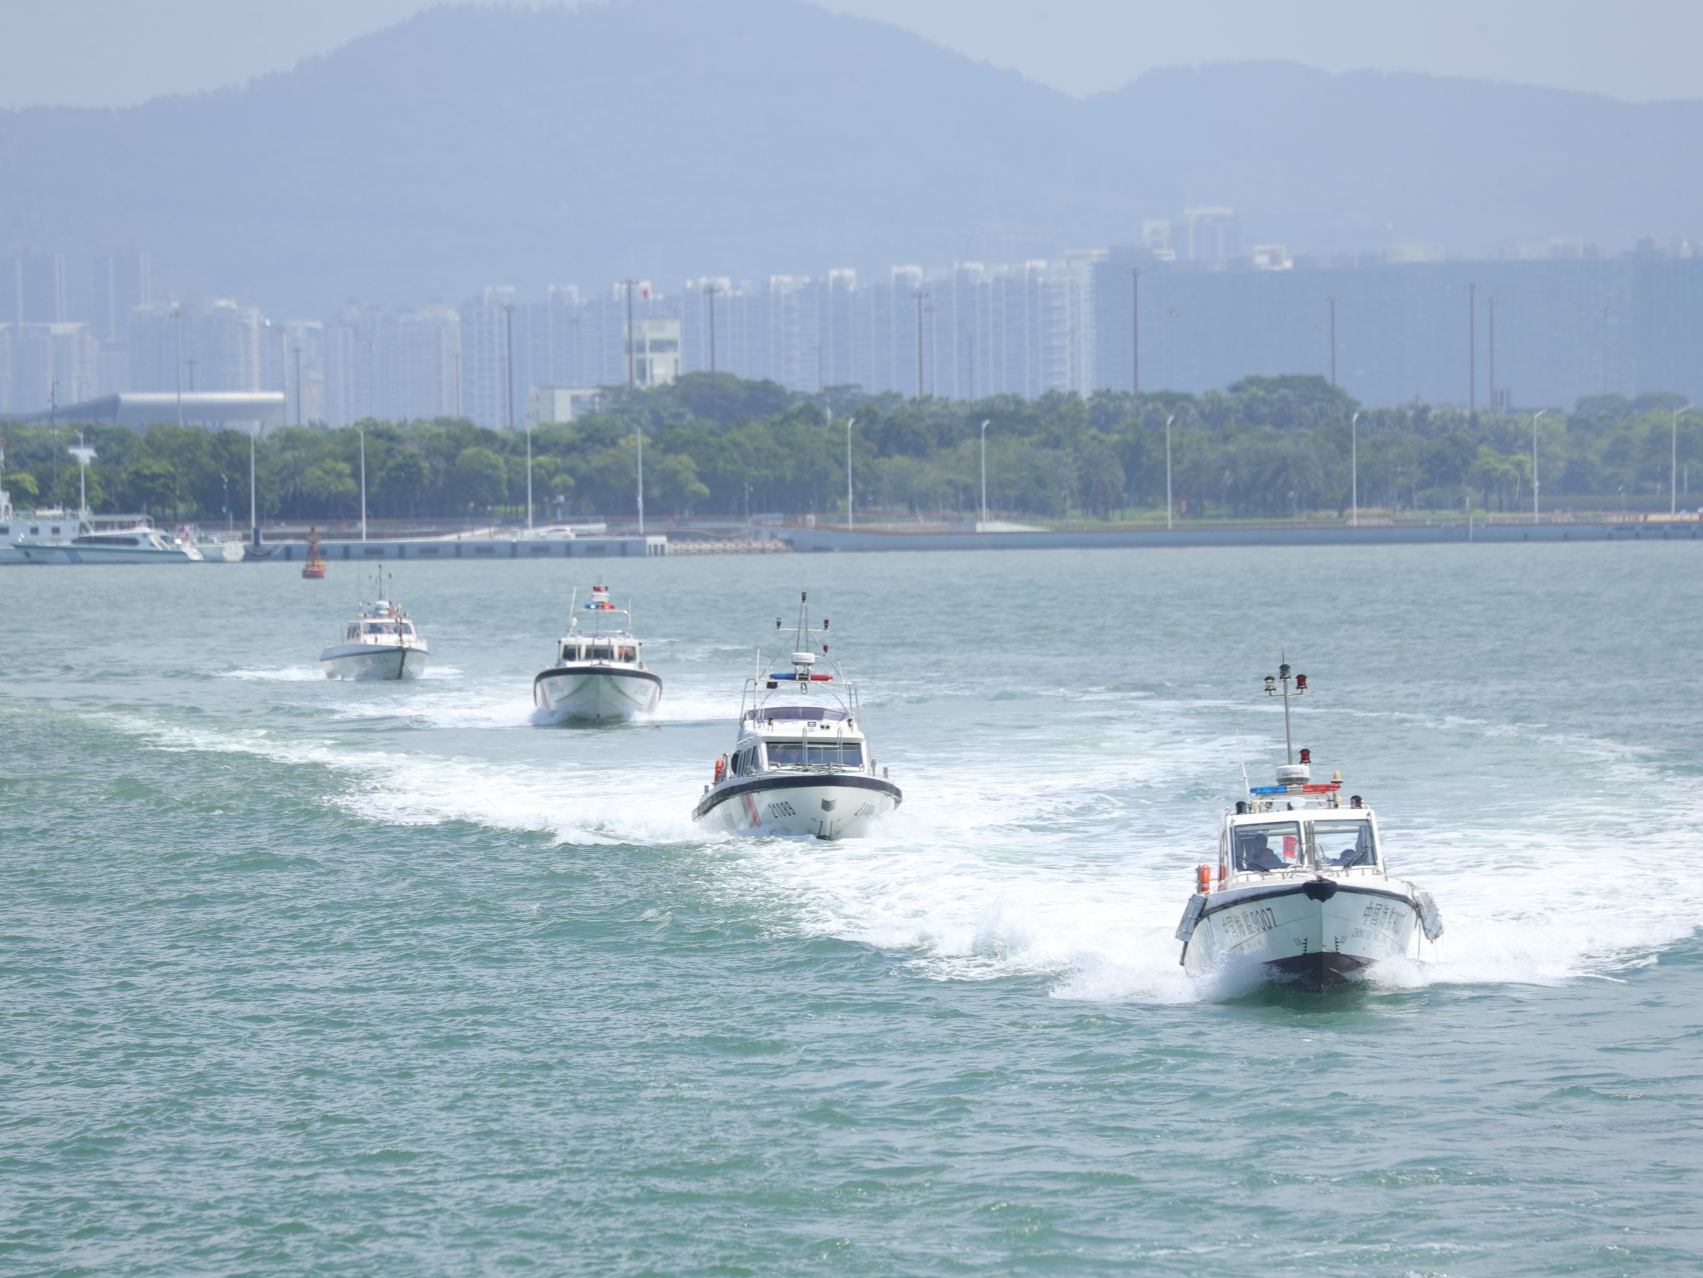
x=1300, y=683
x=824, y=623
x=1306, y=756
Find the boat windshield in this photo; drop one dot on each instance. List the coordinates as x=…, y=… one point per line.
x=600, y=652
x=1344, y=843
x=1274, y=845
x=827, y=754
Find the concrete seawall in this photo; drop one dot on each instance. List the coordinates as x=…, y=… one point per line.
x=838, y=539
x=471, y=548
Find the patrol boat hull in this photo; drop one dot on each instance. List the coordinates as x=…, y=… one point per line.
x=594, y=694
x=810, y=806
x=1316, y=932
x=366, y=662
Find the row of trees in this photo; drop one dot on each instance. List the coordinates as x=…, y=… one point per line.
x=714, y=445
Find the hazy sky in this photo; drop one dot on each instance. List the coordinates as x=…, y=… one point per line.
x=114, y=52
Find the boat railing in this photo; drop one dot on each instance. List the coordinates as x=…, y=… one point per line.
x=600, y=614
x=753, y=696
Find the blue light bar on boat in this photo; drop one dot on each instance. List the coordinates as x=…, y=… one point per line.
x=1268, y=789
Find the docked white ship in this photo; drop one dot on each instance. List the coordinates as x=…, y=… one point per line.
x=1301, y=892
x=801, y=763
x=139, y=543
x=382, y=642
x=599, y=674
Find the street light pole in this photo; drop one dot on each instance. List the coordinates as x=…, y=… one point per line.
x=639, y=436
x=1673, y=464
x=508, y=339
x=1354, y=470
x=1493, y=407
x=84, y=456
x=985, y=426
x=628, y=284
x=1472, y=352
x=253, y=523
x=710, y=290
x=850, y=422
x=1331, y=298
x=1135, y=330
x=1168, y=421
x=921, y=296
x=363, y=431
x=1535, y=416
x=177, y=355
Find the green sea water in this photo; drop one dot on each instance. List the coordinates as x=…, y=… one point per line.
x=302, y=977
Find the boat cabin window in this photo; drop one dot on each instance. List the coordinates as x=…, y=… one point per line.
x=354, y=633
x=800, y=754
x=602, y=652
x=629, y=653
x=570, y=652
x=379, y=627
x=1345, y=843
x=407, y=627
x=1272, y=846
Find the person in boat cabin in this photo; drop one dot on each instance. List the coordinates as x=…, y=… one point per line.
x=1255, y=854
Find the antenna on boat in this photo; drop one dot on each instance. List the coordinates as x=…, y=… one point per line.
x=1242, y=757
x=1271, y=690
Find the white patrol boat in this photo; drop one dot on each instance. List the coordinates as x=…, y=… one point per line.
x=800, y=764
x=1301, y=892
x=599, y=675
x=382, y=642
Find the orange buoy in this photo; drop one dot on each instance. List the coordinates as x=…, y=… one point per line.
x=720, y=767
x=1203, y=877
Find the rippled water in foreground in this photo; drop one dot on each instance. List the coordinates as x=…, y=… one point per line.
x=302, y=977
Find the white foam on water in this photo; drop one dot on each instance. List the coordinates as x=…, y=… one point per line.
x=694, y=706
x=1069, y=856
x=451, y=706
x=399, y=788
x=1079, y=871
x=277, y=674
x=1010, y=865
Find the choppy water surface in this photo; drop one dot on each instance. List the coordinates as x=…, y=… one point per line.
x=303, y=977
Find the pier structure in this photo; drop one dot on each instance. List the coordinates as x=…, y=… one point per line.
x=336, y=551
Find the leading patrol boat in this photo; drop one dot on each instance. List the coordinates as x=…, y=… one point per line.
x=801, y=763
x=1301, y=892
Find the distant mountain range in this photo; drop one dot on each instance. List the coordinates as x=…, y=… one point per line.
x=668, y=138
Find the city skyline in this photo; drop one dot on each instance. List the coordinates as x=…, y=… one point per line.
x=1575, y=320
